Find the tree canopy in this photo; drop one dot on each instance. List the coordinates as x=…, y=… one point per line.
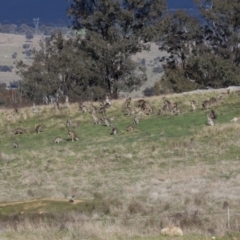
x=204, y=52
x=97, y=59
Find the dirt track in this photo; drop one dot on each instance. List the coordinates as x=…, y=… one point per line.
x=38, y=200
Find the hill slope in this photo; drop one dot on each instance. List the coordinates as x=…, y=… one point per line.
x=12, y=43
x=173, y=169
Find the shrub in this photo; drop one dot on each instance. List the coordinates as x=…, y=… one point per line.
x=5, y=68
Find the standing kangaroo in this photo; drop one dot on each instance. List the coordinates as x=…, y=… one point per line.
x=72, y=135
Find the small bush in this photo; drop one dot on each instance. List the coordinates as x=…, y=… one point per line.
x=143, y=61
x=14, y=55
x=26, y=46
x=5, y=68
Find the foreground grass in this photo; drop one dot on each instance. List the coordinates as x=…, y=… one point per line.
x=173, y=170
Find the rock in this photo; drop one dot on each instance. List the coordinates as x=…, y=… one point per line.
x=172, y=231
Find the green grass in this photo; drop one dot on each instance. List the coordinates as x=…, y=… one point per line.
x=164, y=167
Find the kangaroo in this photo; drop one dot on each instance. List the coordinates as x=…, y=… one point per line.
x=35, y=110
x=212, y=101
x=175, y=109
x=16, y=110
x=235, y=119
x=112, y=119
x=15, y=145
x=114, y=131
x=72, y=135
x=193, y=105
x=130, y=128
x=212, y=114
x=56, y=105
x=210, y=117
x=94, y=108
x=206, y=104
x=129, y=111
x=70, y=123
x=211, y=122
x=127, y=103
x=19, y=131
x=107, y=101
x=165, y=101
x=136, y=120
x=96, y=120
x=71, y=199
x=166, y=108
x=159, y=113
x=83, y=108
x=66, y=101
x=38, y=128
x=107, y=122
x=102, y=109
x=58, y=140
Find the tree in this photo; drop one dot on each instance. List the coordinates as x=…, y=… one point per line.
x=206, y=54
x=29, y=35
x=58, y=66
x=115, y=30
x=96, y=60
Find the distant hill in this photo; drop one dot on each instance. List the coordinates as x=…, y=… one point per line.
x=12, y=44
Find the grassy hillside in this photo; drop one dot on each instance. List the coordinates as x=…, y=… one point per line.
x=10, y=44
x=13, y=43
x=172, y=170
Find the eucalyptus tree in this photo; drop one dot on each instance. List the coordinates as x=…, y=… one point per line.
x=115, y=30
x=58, y=67
x=206, y=54
x=96, y=60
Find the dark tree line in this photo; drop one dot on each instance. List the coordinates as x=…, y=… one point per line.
x=96, y=60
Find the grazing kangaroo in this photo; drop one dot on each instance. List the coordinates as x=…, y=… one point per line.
x=136, y=120
x=211, y=122
x=235, y=119
x=96, y=120
x=166, y=108
x=129, y=111
x=16, y=111
x=139, y=103
x=159, y=113
x=113, y=118
x=107, y=122
x=175, y=109
x=83, y=108
x=114, y=131
x=102, y=109
x=38, y=128
x=212, y=114
x=70, y=123
x=15, y=145
x=66, y=101
x=19, y=131
x=72, y=135
x=206, y=104
x=58, y=140
x=212, y=101
x=35, y=110
x=107, y=101
x=127, y=103
x=210, y=117
x=71, y=199
x=130, y=128
x=193, y=105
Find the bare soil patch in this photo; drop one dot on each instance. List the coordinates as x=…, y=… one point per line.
x=39, y=201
